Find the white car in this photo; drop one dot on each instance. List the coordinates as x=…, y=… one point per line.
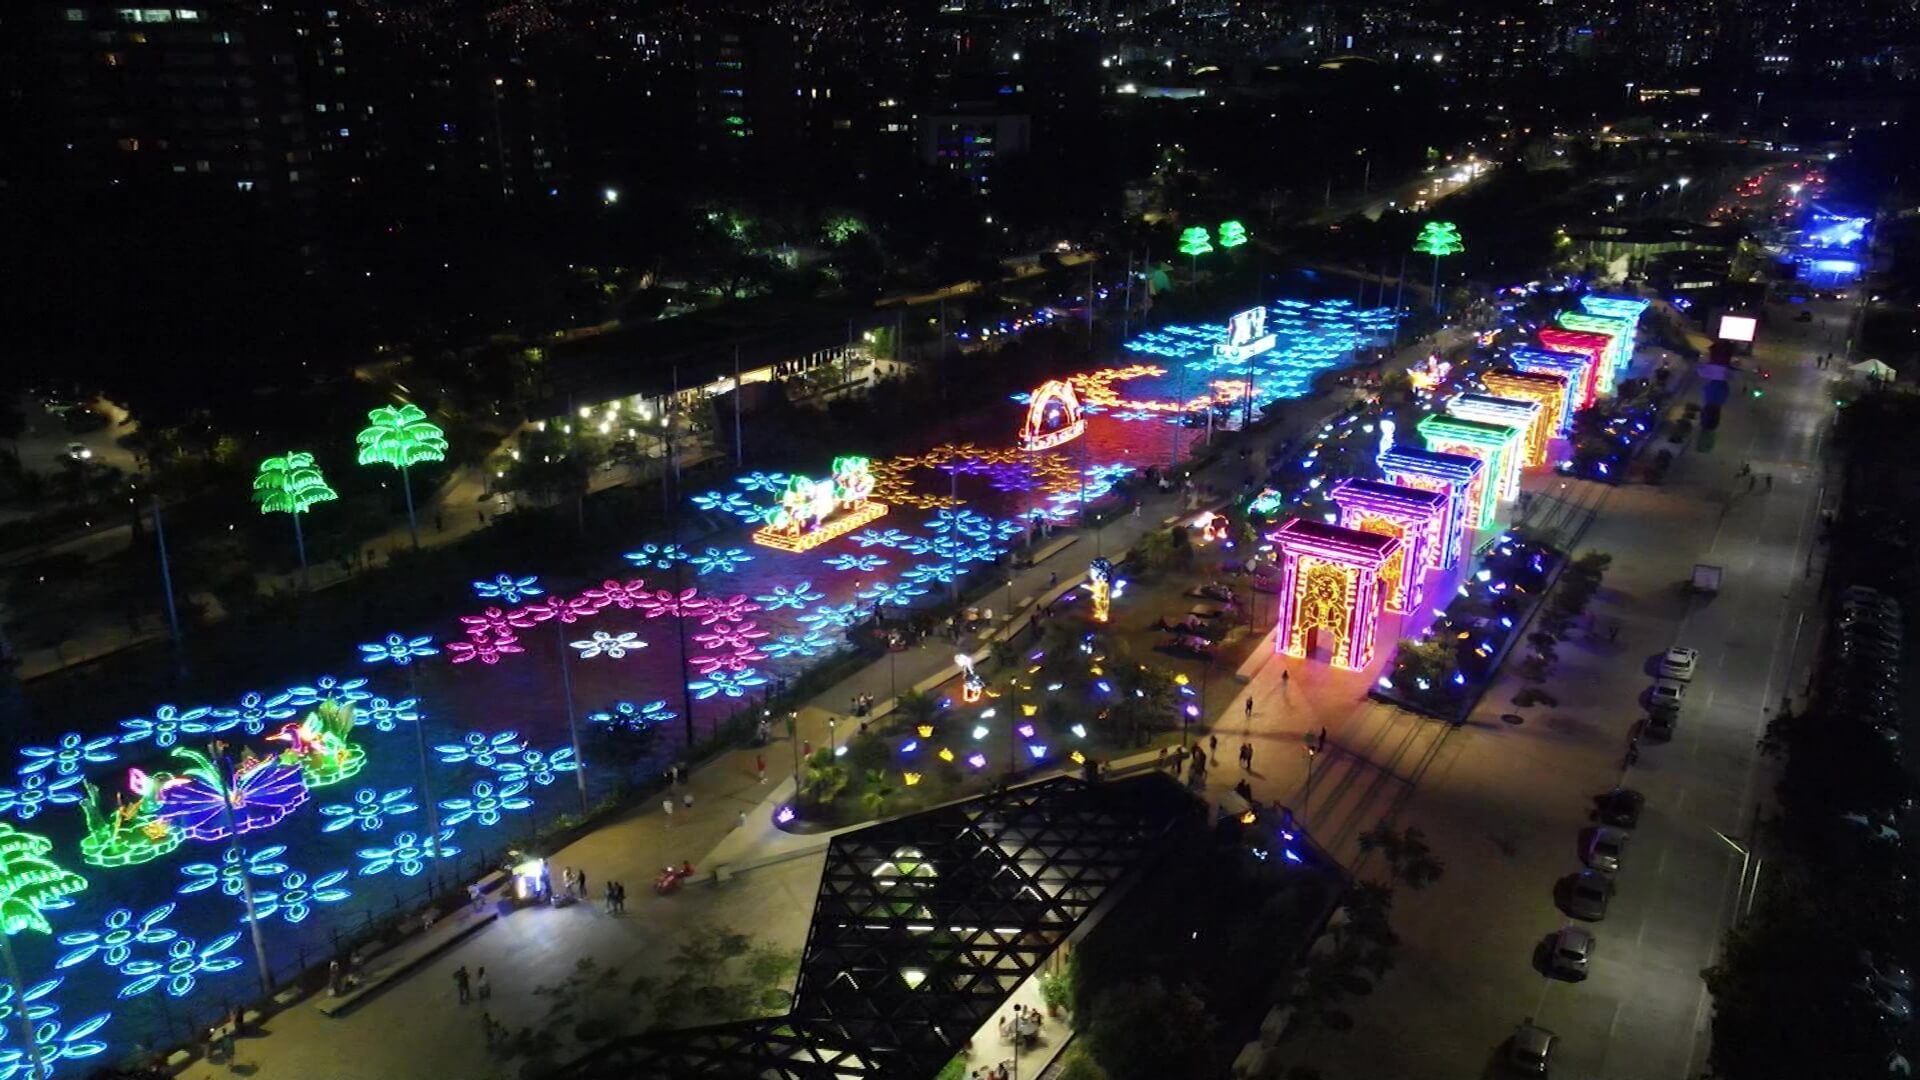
x=1667, y=694
x=1678, y=663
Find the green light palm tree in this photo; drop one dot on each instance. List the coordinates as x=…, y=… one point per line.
x=402, y=436
x=290, y=484
x=29, y=883
x=1439, y=239
x=1195, y=241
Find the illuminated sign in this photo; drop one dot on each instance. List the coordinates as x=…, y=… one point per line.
x=1247, y=336
x=1737, y=327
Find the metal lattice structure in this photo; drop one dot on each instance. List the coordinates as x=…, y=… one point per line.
x=922, y=928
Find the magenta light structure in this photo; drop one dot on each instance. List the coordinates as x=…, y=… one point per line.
x=1410, y=515
x=1456, y=476
x=1330, y=581
x=1529, y=416
x=1597, y=348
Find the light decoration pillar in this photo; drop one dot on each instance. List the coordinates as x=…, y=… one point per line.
x=1618, y=332
x=402, y=436
x=1595, y=347
x=1498, y=445
x=1456, y=476
x=1330, y=581
x=812, y=512
x=1575, y=368
x=1100, y=586
x=1410, y=515
x=1053, y=416
x=1549, y=391
x=1533, y=421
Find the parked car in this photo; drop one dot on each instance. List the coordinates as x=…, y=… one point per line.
x=1588, y=894
x=1572, y=951
x=1530, y=1051
x=1661, y=722
x=1667, y=694
x=1607, y=849
x=1622, y=807
x=1678, y=663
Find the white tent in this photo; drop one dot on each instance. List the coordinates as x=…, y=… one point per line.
x=1874, y=369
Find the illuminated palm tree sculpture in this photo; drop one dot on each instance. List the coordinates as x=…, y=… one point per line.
x=1439, y=239
x=290, y=484
x=30, y=883
x=402, y=436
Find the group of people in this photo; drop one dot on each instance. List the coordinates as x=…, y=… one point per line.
x=469, y=987
x=1020, y=1028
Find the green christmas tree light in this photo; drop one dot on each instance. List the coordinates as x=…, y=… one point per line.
x=1438, y=239
x=402, y=436
x=29, y=883
x=1232, y=234
x=291, y=484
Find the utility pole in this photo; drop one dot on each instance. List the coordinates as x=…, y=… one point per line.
x=739, y=454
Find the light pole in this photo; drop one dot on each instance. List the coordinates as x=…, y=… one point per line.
x=1306, y=797
x=833, y=723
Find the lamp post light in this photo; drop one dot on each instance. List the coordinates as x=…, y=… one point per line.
x=833, y=724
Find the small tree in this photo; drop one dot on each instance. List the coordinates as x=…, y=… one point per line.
x=1410, y=860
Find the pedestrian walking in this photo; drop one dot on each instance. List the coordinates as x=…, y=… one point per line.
x=1213, y=747
x=486, y=1026
x=483, y=516
x=1246, y=756
x=580, y=884
x=1052, y=579
x=620, y=897
x=686, y=801
x=475, y=896
x=461, y=986
x=1284, y=675
x=1323, y=739
x=760, y=767
x=609, y=898
x=1769, y=481
x=1249, y=706
x=481, y=987
x=666, y=807
x=1161, y=762
x=1613, y=632
x=806, y=749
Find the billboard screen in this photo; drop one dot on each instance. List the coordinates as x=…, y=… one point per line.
x=1737, y=327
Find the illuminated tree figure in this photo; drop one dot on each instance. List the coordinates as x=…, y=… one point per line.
x=1194, y=242
x=1439, y=239
x=402, y=437
x=290, y=484
x=1232, y=234
x=29, y=883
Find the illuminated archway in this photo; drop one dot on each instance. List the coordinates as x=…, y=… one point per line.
x=1409, y=514
x=1550, y=391
x=1053, y=417
x=1523, y=413
x=1330, y=580
x=1456, y=477
x=1495, y=444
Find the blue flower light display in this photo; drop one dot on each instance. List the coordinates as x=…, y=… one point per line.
x=70, y=756
x=166, y=725
x=116, y=938
x=797, y=597
x=831, y=617
x=770, y=483
x=481, y=748
x=716, y=561
x=963, y=521
x=537, y=767
x=627, y=716
x=859, y=563
x=1007, y=529
x=727, y=502
x=295, y=897
x=57, y=1042
x=657, y=556
x=407, y=852
x=255, y=711
x=509, y=589
x=944, y=573
x=487, y=803
x=384, y=715
x=398, y=649
x=368, y=811
x=873, y=537
x=328, y=688
x=811, y=643
x=186, y=963
x=35, y=793
x=231, y=868
x=891, y=594
x=731, y=683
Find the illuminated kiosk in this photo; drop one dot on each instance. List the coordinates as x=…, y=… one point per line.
x=1330, y=581
x=1532, y=420
x=1457, y=476
x=1576, y=368
x=1595, y=347
x=1550, y=391
x=1408, y=514
x=812, y=512
x=1053, y=417
x=1496, y=444
x=1619, y=331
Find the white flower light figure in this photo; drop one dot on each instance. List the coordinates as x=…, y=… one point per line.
x=611, y=646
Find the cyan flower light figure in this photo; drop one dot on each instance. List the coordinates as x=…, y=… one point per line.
x=811, y=643
x=368, y=811
x=1134, y=414
x=398, y=649
x=295, y=898
x=407, y=852
x=831, y=617
x=481, y=749
x=255, y=711
x=762, y=481
x=56, y=1042
x=944, y=573
x=115, y=940
x=917, y=545
x=628, y=716
x=186, y=963
x=385, y=715
x=666, y=602
x=227, y=873
x=610, y=645
x=733, y=609
x=486, y=804
x=956, y=520
x=1007, y=529
x=166, y=725
x=726, y=502
x=35, y=793
x=625, y=595
x=718, y=561
x=733, y=636
x=70, y=756
x=731, y=683
x=891, y=594
x=657, y=556
x=864, y=564
x=509, y=589
x=797, y=597
x=875, y=537
x=328, y=688
x=537, y=767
